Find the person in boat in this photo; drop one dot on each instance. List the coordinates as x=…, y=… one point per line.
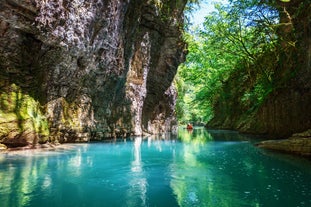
x=189, y=126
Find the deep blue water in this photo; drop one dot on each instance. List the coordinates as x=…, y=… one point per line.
x=199, y=168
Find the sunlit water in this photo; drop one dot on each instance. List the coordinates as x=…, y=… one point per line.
x=200, y=168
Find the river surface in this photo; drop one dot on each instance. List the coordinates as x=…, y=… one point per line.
x=198, y=168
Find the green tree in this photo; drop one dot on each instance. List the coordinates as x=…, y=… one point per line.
x=231, y=60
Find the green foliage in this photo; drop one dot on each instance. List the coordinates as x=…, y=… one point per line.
x=231, y=61
x=192, y=5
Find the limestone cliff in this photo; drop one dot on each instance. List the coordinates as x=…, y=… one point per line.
x=75, y=70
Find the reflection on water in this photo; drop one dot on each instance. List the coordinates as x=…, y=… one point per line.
x=138, y=181
x=202, y=186
x=229, y=171
x=199, y=168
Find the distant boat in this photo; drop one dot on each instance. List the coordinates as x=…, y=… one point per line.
x=189, y=126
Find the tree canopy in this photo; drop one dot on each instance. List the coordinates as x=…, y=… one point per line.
x=231, y=61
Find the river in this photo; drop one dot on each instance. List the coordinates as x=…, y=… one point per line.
x=196, y=168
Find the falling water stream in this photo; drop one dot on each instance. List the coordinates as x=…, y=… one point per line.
x=197, y=168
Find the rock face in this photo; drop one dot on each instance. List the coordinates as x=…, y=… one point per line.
x=77, y=70
x=287, y=109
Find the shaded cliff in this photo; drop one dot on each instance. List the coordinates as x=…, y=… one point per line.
x=287, y=107
x=77, y=70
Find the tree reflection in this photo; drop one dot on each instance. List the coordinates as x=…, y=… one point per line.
x=196, y=136
x=193, y=170
x=30, y=177
x=22, y=183
x=196, y=182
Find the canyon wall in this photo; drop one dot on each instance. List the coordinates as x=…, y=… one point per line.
x=76, y=70
x=287, y=108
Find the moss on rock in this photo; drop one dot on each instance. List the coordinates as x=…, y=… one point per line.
x=21, y=118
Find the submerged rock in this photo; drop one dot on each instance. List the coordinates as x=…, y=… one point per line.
x=71, y=71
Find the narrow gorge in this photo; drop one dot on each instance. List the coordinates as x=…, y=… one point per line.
x=77, y=71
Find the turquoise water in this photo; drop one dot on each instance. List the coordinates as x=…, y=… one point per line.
x=200, y=168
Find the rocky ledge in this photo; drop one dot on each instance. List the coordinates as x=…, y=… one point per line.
x=299, y=144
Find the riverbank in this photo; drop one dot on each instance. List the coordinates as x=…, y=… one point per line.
x=299, y=144
x=37, y=148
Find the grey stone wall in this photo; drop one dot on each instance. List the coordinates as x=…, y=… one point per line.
x=89, y=69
